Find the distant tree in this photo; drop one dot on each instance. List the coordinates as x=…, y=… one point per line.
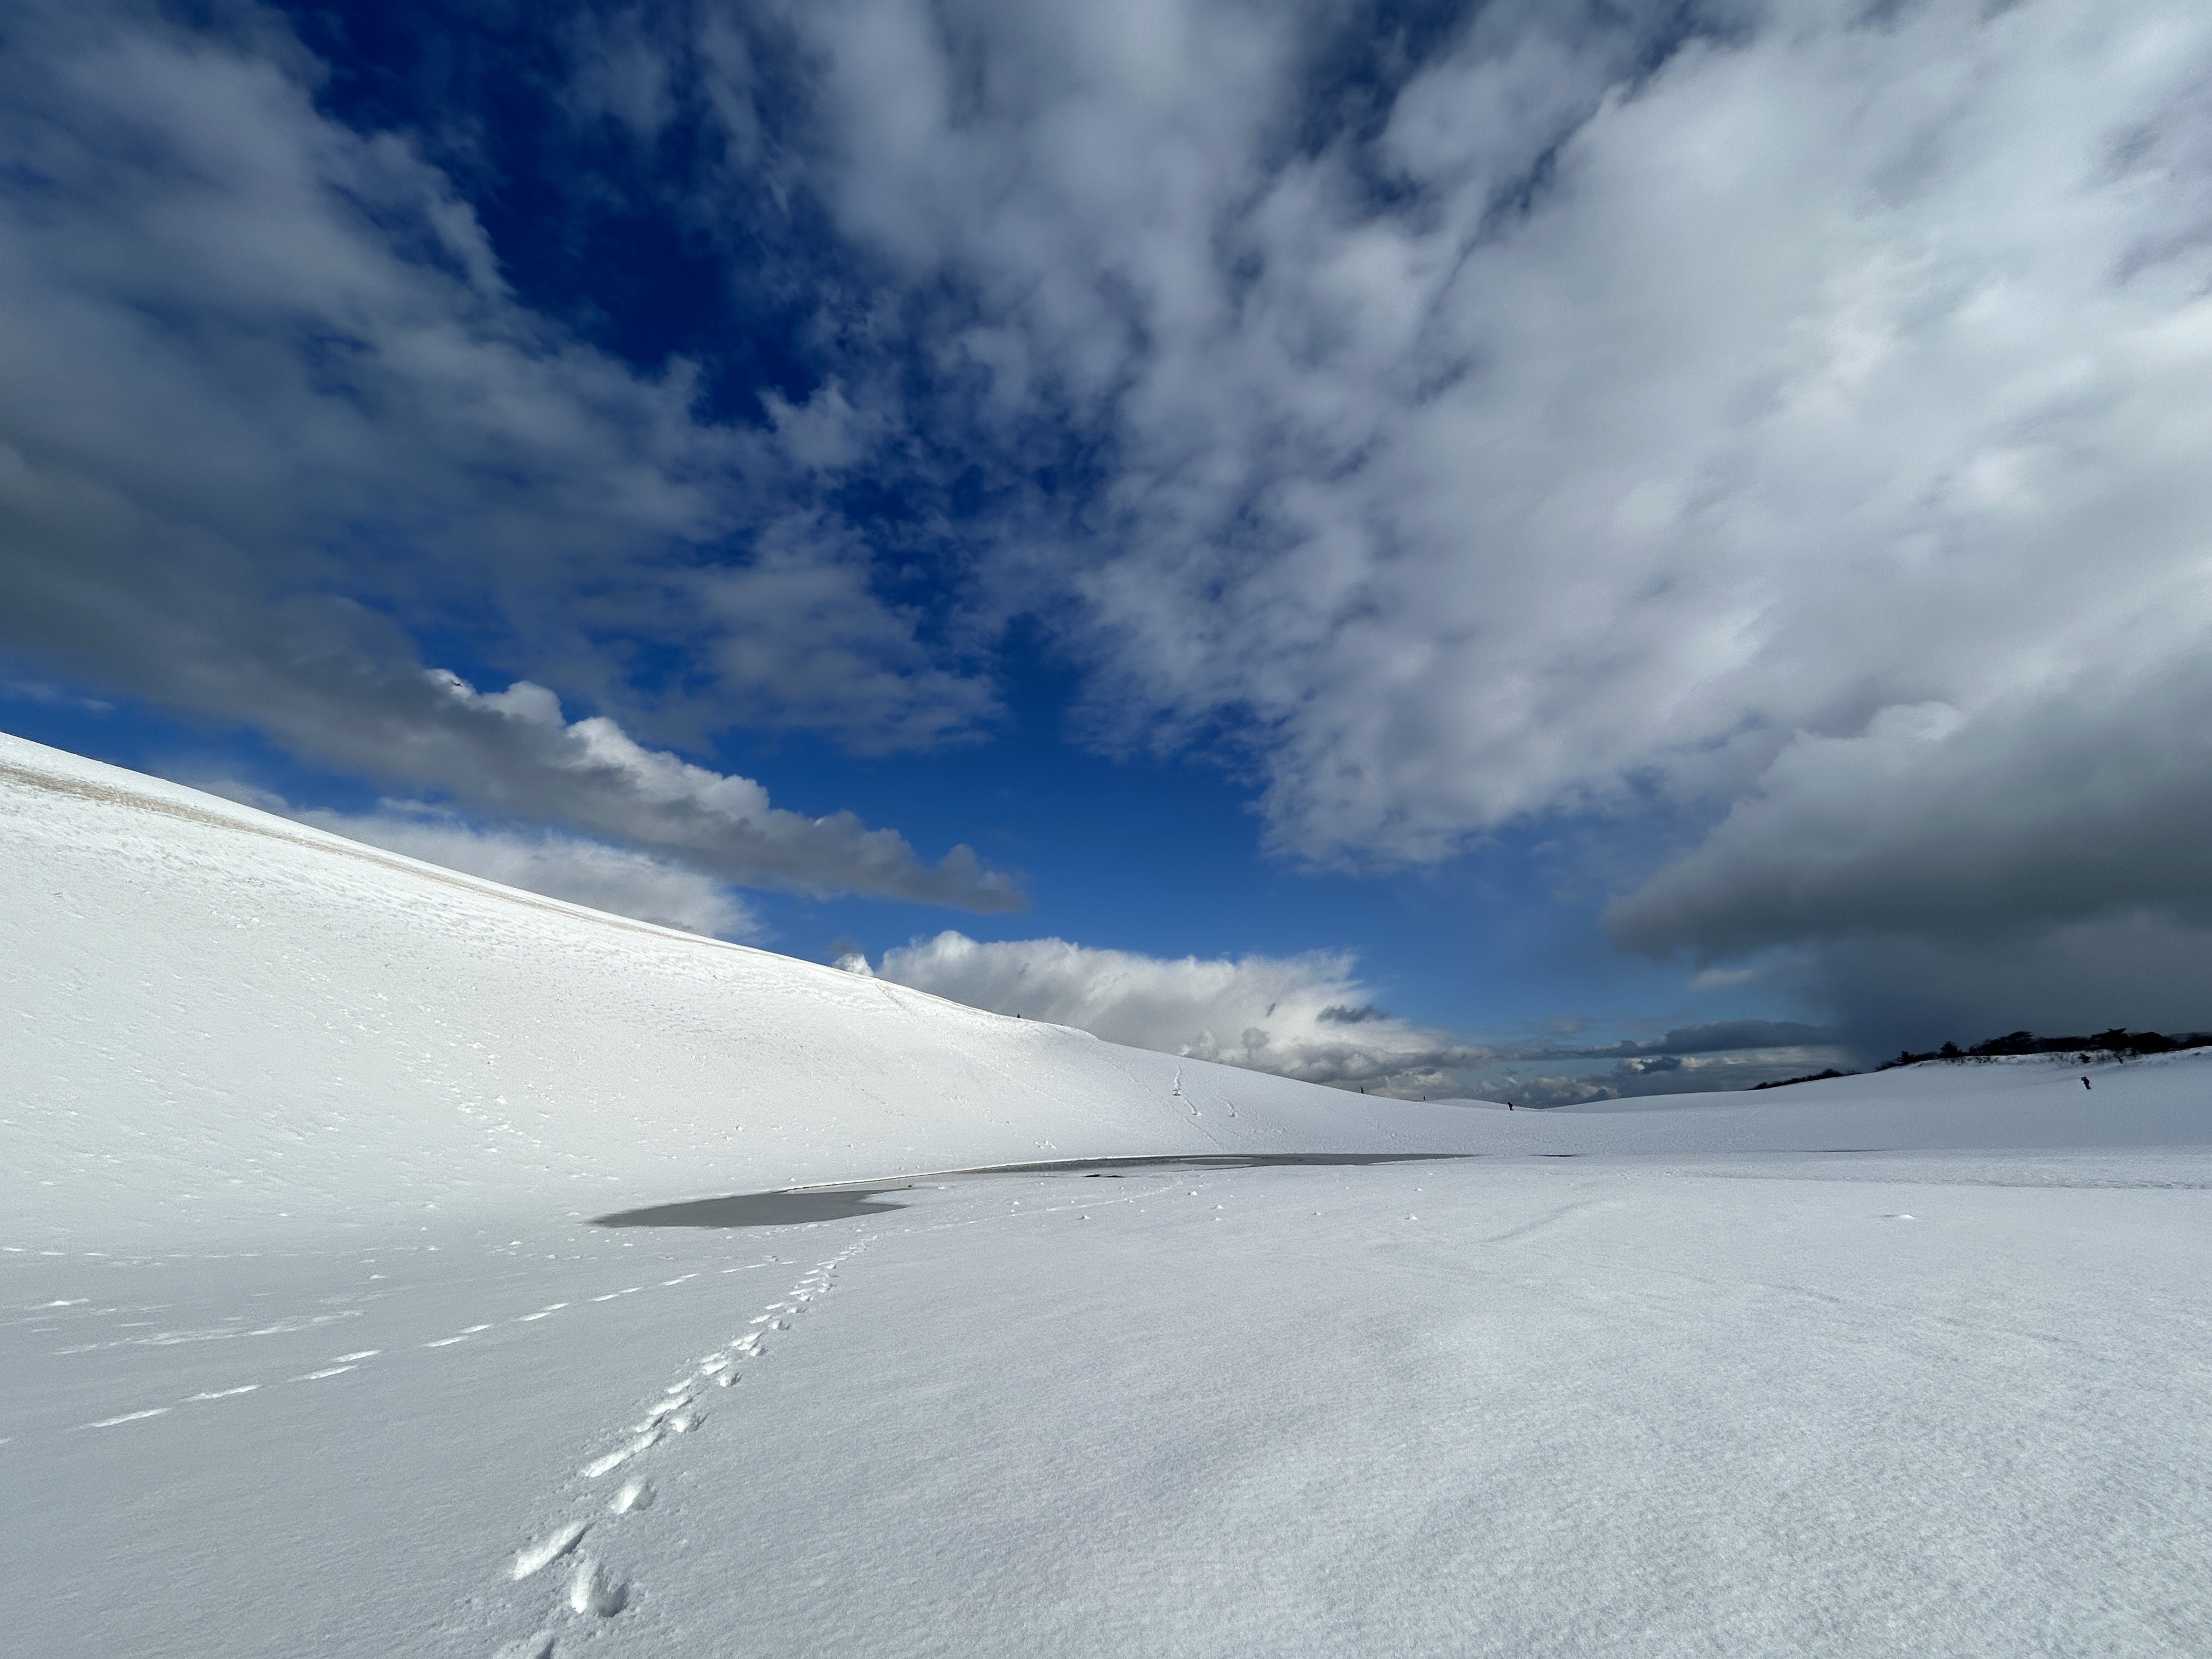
x=1950, y=1051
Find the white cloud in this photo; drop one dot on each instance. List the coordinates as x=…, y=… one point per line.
x=1583, y=436
x=612, y=878
x=511, y=755
x=1303, y=1016
x=1310, y=1017
x=512, y=752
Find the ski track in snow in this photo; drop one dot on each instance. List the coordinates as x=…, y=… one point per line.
x=587, y=1589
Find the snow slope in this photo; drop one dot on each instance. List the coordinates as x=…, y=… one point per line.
x=220, y=1021
x=308, y=1345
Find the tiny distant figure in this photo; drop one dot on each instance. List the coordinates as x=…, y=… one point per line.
x=2085, y=1084
x=1509, y=1105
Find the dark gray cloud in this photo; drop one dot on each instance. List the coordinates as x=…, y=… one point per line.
x=1338, y=1013
x=2142, y=970
x=1665, y=1074
x=2086, y=796
x=1717, y=1037
x=2043, y=859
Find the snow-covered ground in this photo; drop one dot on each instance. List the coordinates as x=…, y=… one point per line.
x=312, y=1346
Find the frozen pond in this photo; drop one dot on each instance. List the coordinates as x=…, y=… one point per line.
x=795, y=1207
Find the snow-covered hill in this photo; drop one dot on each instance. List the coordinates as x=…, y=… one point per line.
x=308, y=1343
x=219, y=1020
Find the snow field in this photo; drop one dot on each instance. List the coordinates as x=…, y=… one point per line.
x=310, y=1347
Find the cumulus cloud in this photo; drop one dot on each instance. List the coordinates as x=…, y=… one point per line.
x=1285, y=1015
x=1308, y=1016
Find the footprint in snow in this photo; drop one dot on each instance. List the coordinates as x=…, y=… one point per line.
x=615, y=1460
x=536, y=1556
x=539, y=1646
x=635, y=1495
x=591, y=1590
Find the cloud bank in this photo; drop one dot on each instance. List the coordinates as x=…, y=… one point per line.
x=1311, y=1018
x=1303, y=1017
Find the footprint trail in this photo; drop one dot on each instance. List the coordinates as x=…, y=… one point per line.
x=594, y=1591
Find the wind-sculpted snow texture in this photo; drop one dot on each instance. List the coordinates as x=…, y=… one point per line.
x=309, y=1343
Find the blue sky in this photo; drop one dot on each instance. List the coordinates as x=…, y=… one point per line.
x=1561, y=525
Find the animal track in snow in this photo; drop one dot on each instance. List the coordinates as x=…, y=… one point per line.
x=718, y=1367
x=615, y=1460
x=593, y=1591
x=543, y=1552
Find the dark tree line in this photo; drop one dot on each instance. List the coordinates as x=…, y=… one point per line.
x=2118, y=1042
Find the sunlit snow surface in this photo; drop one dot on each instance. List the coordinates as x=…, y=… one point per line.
x=308, y=1345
